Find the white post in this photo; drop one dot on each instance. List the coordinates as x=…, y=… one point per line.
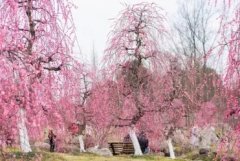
x=170, y=147
x=81, y=143
x=136, y=145
x=23, y=134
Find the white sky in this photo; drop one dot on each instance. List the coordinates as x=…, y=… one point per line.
x=93, y=21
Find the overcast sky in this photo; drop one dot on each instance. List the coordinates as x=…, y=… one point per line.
x=93, y=21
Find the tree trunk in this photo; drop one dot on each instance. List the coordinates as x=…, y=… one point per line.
x=23, y=134
x=136, y=145
x=81, y=143
x=170, y=147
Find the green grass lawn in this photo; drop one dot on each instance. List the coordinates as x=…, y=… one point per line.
x=15, y=155
x=91, y=157
x=47, y=156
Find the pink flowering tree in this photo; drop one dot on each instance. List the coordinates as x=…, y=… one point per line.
x=134, y=58
x=82, y=114
x=130, y=45
x=70, y=88
x=229, y=44
x=35, y=45
x=100, y=106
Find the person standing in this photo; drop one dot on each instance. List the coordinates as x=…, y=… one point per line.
x=143, y=141
x=51, y=137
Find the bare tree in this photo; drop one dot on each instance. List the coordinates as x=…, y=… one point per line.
x=195, y=32
x=194, y=37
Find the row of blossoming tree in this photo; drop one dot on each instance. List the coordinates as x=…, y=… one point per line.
x=142, y=86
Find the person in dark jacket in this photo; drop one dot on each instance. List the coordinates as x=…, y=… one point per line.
x=143, y=141
x=51, y=137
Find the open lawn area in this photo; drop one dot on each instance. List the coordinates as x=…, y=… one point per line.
x=88, y=157
x=47, y=156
